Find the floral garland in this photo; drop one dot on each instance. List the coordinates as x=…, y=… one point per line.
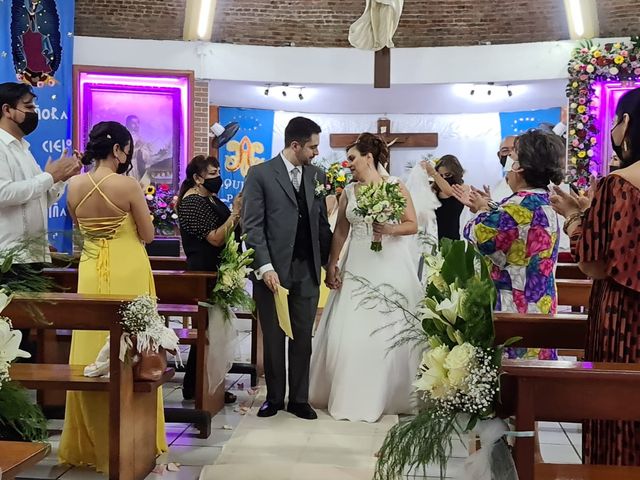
x=162, y=205
x=590, y=63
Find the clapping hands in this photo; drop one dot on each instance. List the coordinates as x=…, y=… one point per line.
x=472, y=197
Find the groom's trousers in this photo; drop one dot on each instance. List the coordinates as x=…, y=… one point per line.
x=303, y=303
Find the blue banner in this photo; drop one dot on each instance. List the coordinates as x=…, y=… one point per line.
x=36, y=47
x=251, y=145
x=513, y=123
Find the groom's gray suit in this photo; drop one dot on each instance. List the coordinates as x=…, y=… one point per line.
x=289, y=230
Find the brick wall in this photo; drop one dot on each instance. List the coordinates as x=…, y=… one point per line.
x=326, y=22
x=148, y=19
x=201, y=117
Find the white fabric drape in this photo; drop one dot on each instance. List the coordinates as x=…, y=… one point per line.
x=374, y=30
x=223, y=337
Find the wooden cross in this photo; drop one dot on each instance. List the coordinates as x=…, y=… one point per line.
x=382, y=68
x=396, y=140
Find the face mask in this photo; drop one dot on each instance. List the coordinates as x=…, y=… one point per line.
x=617, y=148
x=30, y=122
x=507, y=166
x=213, y=185
x=503, y=159
x=450, y=180
x=123, y=167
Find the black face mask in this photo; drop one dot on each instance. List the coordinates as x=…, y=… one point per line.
x=123, y=168
x=613, y=168
x=503, y=159
x=30, y=122
x=450, y=180
x=213, y=185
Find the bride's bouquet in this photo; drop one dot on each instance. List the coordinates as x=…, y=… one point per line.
x=458, y=381
x=380, y=203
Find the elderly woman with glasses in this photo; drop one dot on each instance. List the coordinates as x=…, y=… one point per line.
x=520, y=234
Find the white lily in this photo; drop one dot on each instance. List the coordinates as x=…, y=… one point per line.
x=450, y=307
x=4, y=300
x=9, y=343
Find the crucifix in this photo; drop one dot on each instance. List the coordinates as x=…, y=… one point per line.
x=382, y=68
x=394, y=140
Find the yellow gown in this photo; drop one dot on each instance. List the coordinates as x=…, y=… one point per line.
x=114, y=261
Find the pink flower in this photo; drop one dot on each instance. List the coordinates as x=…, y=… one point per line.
x=584, y=77
x=594, y=61
x=593, y=140
x=582, y=100
x=584, y=50
x=624, y=53
x=584, y=118
x=575, y=142
x=637, y=71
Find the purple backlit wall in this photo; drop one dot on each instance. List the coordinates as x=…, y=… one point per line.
x=603, y=107
x=157, y=107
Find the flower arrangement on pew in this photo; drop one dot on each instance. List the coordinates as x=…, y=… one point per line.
x=458, y=379
x=229, y=291
x=147, y=337
x=162, y=205
x=20, y=418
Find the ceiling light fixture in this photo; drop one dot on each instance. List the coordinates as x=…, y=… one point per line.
x=266, y=90
x=205, y=18
x=284, y=92
x=473, y=91
x=300, y=96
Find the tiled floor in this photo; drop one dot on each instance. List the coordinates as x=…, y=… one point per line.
x=560, y=443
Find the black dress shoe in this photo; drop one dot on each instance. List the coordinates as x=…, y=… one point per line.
x=302, y=410
x=269, y=409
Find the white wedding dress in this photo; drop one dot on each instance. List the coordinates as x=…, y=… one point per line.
x=354, y=372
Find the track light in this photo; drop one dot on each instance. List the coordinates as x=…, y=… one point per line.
x=510, y=93
x=266, y=91
x=284, y=93
x=472, y=91
x=300, y=96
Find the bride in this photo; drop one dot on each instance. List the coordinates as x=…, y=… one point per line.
x=354, y=372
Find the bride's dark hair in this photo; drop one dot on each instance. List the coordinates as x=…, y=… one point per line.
x=373, y=144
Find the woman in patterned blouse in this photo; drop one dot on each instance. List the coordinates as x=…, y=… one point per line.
x=520, y=234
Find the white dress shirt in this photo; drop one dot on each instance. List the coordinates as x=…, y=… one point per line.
x=290, y=167
x=25, y=195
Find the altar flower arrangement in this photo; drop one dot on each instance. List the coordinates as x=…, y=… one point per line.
x=458, y=377
x=591, y=63
x=162, y=205
x=229, y=291
x=337, y=176
x=380, y=203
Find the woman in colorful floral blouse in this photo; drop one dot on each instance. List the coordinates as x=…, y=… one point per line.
x=520, y=234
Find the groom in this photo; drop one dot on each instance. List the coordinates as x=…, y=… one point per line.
x=286, y=224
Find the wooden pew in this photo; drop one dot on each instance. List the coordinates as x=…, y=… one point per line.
x=132, y=405
x=569, y=271
x=179, y=293
x=574, y=293
x=15, y=457
x=566, y=331
x=168, y=263
x=537, y=390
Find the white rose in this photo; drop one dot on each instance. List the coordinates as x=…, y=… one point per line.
x=368, y=219
x=377, y=208
x=461, y=356
x=458, y=377
x=435, y=357
x=382, y=218
x=433, y=381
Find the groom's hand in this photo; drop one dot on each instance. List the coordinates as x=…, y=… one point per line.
x=271, y=280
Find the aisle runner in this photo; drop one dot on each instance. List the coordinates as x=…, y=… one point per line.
x=285, y=447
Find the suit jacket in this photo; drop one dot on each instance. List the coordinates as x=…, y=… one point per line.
x=270, y=217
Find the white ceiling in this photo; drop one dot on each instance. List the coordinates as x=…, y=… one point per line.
x=406, y=98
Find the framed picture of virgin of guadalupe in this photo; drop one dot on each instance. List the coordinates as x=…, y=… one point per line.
x=155, y=106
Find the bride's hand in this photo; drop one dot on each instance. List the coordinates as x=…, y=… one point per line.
x=383, y=228
x=333, y=280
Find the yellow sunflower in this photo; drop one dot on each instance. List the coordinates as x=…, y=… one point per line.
x=150, y=190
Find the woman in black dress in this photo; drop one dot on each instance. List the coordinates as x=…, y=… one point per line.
x=447, y=172
x=204, y=222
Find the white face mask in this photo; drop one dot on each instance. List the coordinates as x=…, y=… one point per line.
x=508, y=166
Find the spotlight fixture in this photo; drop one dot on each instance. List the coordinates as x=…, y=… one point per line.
x=266, y=91
x=284, y=93
x=489, y=92
x=510, y=93
x=472, y=91
x=300, y=96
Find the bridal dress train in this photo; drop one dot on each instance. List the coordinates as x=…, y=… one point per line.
x=355, y=373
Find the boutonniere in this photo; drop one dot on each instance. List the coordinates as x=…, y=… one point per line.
x=320, y=190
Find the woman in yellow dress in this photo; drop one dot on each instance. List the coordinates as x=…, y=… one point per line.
x=112, y=214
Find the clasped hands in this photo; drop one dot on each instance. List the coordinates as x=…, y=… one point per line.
x=334, y=277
